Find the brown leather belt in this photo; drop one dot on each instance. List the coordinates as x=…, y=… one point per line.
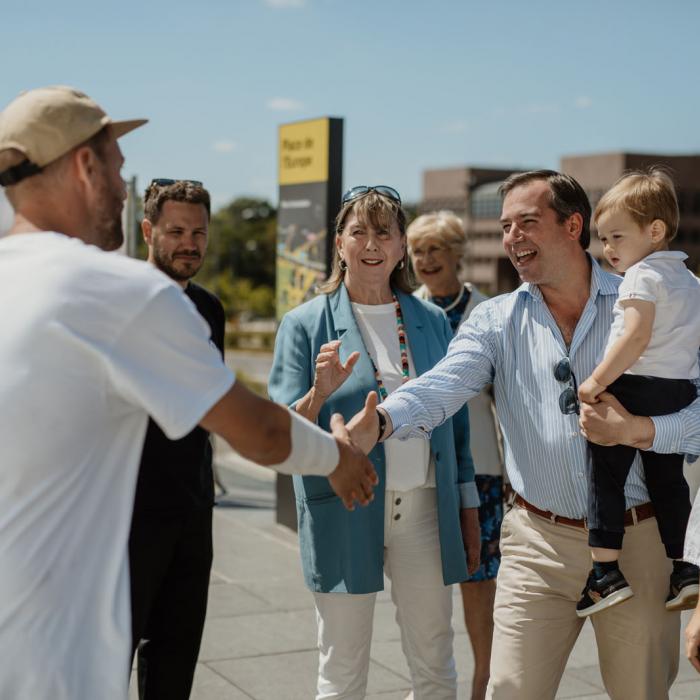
x=633, y=516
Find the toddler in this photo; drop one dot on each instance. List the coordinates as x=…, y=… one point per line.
x=649, y=362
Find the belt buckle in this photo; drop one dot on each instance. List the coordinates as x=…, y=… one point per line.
x=585, y=523
x=633, y=513
x=553, y=518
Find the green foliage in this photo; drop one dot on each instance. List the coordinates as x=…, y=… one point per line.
x=242, y=239
x=259, y=388
x=240, y=263
x=239, y=296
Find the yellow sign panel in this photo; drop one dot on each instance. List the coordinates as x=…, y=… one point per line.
x=303, y=152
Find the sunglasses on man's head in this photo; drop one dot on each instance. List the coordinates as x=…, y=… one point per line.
x=361, y=190
x=166, y=181
x=568, y=399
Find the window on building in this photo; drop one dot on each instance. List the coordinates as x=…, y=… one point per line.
x=485, y=201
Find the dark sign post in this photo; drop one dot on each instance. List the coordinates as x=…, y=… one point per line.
x=310, y=175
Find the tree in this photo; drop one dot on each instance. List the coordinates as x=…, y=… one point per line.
x=240, y=264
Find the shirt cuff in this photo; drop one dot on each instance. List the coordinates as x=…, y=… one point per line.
x=468, y=495
x=399, y=411
x=668, y=435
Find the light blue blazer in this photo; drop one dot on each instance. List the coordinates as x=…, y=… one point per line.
x=341, y=550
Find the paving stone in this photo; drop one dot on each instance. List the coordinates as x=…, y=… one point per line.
x=573, y=685
x=685, y=690
x=260, y=636
x=588, y=674
x=231, y=599
x=208, y=685
x=253, y=635
x=293, y=676
x=249, y=553
x=288, y=594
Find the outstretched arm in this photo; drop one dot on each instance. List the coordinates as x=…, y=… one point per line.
x=422, y=404
x=264, y=432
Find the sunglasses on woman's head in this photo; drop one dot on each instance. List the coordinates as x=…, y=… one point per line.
x=361, y=190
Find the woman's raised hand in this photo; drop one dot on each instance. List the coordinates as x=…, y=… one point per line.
x=330, y=371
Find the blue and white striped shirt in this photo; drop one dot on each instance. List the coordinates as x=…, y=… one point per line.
x=513, y=342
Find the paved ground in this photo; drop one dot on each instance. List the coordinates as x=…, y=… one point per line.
x=259, y=641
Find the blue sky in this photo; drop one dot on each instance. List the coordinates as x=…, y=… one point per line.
x=420, y=84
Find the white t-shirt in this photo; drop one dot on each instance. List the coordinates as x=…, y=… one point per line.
x=92, y=343
x=663, y=279
x=407, y=461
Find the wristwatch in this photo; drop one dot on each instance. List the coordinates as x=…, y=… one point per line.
x=382, y=424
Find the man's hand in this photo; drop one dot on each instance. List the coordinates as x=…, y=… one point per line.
x=588, y=391
x=364, y=426
x=608, y=422
x=354, y=477
x=471, y=537
x=692, y=640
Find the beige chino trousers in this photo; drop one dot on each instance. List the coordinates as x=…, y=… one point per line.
x=544, y=567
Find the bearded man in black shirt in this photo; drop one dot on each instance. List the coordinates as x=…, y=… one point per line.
x=170, y=546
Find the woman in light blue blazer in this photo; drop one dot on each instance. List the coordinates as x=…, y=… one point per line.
x=365, y=333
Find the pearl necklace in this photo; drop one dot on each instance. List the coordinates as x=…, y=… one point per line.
x=451, y=306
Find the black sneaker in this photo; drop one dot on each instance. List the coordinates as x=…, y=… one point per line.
x=601, y=593
x=683, y=594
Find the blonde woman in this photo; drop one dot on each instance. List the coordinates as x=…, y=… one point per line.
x=437, y=244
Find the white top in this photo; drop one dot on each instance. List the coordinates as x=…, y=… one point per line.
x=407, y=461
x=663, y=279
x=484, y=436
x=91, y=344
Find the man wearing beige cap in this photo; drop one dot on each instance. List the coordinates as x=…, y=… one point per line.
x=87, y=352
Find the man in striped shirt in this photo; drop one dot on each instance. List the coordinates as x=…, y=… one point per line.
x=533, y=345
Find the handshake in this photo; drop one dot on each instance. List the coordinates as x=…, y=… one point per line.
x=354, y=478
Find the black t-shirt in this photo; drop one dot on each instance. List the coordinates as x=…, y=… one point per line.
x=178, y=473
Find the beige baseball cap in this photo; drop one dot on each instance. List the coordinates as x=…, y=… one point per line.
x=44, y=124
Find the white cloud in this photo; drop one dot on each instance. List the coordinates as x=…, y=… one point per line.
x=284, y=104
x=224, y=146
x=583, y=102
x=283, y=4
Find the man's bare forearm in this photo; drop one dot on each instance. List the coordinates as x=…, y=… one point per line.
x=256, y=428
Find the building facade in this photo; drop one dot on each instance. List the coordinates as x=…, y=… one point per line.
x=472, y=193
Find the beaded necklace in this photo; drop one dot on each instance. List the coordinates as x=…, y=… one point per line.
x=402, y=347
